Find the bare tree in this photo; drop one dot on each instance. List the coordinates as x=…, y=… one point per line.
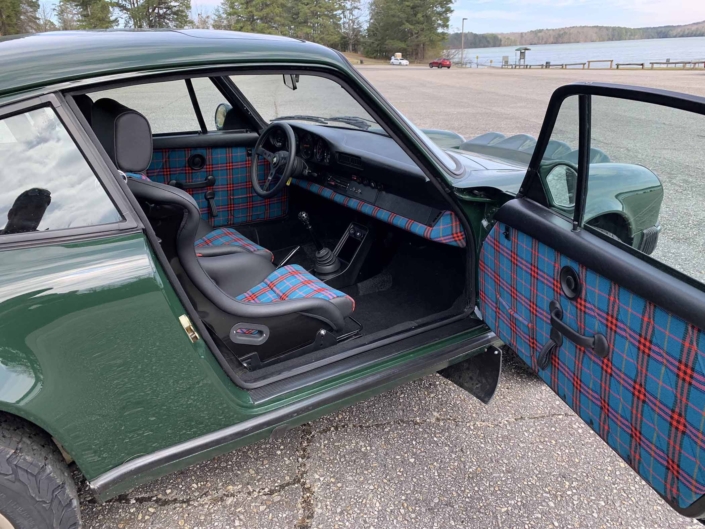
x=203, y=19
x=45, y=14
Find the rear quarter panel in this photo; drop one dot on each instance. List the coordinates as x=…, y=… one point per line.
x=92, y=351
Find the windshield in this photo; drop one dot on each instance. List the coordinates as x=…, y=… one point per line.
x=315, y=99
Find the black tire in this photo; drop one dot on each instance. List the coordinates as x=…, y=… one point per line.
x=36, y=488
x=430, y=65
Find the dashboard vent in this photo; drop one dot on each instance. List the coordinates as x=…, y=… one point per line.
x=350, y=160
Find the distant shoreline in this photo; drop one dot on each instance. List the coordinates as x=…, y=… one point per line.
x=573, y=35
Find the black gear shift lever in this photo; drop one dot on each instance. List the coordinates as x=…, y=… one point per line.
x=326, y=261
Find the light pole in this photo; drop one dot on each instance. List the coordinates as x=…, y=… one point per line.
x=462, y=43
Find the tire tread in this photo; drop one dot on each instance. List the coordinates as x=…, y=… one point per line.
x=28, y=456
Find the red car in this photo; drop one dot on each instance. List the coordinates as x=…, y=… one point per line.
x=439, y=63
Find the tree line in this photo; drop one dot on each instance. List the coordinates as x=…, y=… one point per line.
x=377, y=28
x=573, y=34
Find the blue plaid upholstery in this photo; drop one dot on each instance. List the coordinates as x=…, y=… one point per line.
x=446, y=229
x=230, y=237
x=646, y=399
x=235, y=200
x=287, y=283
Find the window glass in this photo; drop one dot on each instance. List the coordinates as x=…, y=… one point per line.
x=316, y=97
x=166, y=105
x=644, y=184
x=45, y=183
x=209, y=97
x=559, y=165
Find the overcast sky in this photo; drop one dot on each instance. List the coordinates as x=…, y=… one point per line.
x=495, y=16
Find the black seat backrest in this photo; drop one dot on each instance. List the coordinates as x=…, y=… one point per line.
x=126, y=136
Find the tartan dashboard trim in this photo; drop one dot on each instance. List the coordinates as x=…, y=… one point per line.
x=290, y=282
x=230, y=237
x=235, y=199
x=446, y=229
x=646, y=399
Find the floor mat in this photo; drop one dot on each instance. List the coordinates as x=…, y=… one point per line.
x=419, y=281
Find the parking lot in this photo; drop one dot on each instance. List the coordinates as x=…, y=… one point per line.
x=427, y=454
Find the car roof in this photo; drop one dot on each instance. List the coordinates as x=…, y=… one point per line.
x=41, y=59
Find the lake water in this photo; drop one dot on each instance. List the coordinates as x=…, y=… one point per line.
x=651, y=50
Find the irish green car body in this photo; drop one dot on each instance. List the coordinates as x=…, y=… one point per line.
x=91, y=346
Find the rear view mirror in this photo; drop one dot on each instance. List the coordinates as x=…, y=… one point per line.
x=221, y=112
x=291, y=81
x=561, y=182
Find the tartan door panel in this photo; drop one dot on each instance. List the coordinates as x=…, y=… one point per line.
x=235, y=200
x=646, y=399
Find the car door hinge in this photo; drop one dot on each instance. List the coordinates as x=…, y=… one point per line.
x=188, y=327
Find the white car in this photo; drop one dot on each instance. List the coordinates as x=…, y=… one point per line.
x=399, y=62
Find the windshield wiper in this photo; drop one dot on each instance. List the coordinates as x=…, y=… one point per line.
x=360, y=123
x=353, y=121
x=302, y=117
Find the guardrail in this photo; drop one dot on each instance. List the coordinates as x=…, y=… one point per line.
x=641, y=64
x=590, y=63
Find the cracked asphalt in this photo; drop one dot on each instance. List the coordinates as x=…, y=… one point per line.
x=427, y=454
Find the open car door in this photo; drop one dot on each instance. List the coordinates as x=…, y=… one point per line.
x=594, y=275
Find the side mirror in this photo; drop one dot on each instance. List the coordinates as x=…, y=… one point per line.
x=221, y=112
x=561, y=182
x=291, y=81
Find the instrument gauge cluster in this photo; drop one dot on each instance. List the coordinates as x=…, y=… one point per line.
x=322, y=152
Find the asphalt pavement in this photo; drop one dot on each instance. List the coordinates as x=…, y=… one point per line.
x=425, y=455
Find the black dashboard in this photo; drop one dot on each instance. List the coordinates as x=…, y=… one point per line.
x=365, y=165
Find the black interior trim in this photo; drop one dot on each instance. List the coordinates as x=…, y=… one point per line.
x=210, y=139
x=638, y=274
x=196, y=106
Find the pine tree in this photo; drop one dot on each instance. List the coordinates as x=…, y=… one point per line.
x=413, y=27
x=67, y=15
x=143, y=14
x=316, y=21
x=254, y=16
x=351, y=25
x=19, y=16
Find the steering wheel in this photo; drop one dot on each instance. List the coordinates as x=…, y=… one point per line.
x=282, y=163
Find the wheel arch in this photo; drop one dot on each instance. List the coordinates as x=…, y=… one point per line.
x=615, y=222
x=37, y=424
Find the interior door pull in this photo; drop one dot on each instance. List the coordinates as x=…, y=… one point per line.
x=597, y=342
x=208, y=182
x=559, y=329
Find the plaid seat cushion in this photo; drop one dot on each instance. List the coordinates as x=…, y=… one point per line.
x=646, y=399
x=235, y=199
x=230, y=237
x=290, y=282
x=446, y=229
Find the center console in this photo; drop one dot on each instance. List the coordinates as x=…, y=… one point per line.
x=351, y=251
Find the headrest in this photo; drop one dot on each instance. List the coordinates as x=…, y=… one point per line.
x=124, y=133
x=85, y=105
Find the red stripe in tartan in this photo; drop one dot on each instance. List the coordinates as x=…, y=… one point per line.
x=646, y=401
x=456, y=236
x=230, y=188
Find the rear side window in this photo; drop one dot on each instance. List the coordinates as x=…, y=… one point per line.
x=45, y=182
x=166, y=105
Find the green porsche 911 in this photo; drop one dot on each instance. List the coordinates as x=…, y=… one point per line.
x=208, y=238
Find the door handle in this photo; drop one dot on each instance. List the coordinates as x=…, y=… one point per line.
x=208, y=182
x=560, y=329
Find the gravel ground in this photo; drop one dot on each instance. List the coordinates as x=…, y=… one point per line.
x=426, y=454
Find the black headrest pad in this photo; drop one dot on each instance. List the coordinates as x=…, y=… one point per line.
x=124, y=133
